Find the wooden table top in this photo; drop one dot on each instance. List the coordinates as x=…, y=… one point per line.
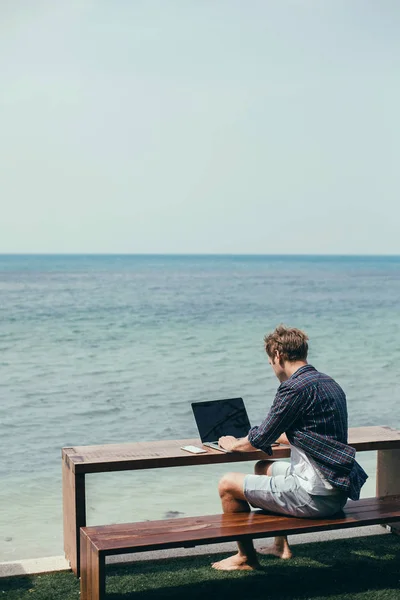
x=168, y=453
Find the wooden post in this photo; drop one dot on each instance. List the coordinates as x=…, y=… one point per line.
x=93, y=578
x=388, y=477
x=74, y=510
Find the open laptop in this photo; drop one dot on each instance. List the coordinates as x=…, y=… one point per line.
x=216, y=418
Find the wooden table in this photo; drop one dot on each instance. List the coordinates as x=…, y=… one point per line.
x=79, y=461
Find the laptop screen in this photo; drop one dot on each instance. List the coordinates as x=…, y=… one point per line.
x=221, y=417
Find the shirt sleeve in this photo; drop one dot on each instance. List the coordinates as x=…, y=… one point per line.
x=285, y=409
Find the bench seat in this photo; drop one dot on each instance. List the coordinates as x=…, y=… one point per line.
x=100, y=541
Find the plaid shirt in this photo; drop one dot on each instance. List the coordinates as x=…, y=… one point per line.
x=310, y=408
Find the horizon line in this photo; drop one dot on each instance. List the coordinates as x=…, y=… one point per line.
x=223, y=254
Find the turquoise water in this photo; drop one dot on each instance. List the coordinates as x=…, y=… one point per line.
x=98, y=349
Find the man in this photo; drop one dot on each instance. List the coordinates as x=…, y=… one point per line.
x=309, y=412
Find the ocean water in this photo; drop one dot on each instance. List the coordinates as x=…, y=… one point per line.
x=100, y=349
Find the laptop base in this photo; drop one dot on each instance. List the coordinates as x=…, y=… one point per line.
x=215, y=446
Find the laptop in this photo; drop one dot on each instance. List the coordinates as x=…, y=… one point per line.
x=216, y=418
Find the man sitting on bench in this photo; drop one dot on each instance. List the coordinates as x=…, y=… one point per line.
x=309, y=412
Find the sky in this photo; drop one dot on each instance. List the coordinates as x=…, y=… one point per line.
x=200, y=126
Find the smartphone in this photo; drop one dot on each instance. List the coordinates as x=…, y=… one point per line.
x=193, y=449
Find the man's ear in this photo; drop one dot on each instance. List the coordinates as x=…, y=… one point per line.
x=280, y=359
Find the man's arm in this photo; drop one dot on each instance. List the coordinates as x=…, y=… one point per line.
x=228, y=442
x=285, y=409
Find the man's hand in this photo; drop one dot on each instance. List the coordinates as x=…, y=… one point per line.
x=227, y=442
x=232, y=444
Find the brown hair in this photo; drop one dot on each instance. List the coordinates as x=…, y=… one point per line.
x=291, y=343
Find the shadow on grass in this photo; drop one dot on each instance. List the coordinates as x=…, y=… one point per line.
x=358, y=567
x=50, y=586
x=18, y=584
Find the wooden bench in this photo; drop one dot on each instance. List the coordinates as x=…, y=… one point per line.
x=79, y=461
x=99, y=542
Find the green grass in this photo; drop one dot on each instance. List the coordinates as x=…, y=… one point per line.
x=357, y=568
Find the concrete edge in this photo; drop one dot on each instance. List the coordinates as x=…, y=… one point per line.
x=53, y=564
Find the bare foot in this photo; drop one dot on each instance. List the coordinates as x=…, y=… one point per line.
x=280, y=550
x=235, y=563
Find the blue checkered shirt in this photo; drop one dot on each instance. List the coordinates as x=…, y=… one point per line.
x=311, y=409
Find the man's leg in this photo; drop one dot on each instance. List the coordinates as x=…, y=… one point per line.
x=280, y=547
x=233, y=500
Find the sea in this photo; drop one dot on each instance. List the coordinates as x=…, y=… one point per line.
x=97, y=349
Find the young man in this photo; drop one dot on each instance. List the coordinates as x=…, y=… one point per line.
x=309, y=412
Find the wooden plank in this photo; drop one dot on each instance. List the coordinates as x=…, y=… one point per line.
x=168, y=453
x=147, y=528
x=239, y=533
x=114, y=539
x=165, y=525
x=74, y=510
x=157, y=454
x=377, y=437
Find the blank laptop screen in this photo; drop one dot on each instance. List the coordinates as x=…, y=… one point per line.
x=221, y=417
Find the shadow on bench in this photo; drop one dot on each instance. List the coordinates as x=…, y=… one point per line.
x=106, y=540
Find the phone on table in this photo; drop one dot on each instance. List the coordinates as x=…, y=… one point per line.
x=194, y=449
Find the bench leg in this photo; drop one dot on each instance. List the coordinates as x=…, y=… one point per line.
x=387, y=477
x=93, y=576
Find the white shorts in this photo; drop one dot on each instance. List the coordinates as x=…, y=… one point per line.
x=282, y=493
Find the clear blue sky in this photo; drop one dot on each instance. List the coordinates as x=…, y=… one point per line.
x=200, y=126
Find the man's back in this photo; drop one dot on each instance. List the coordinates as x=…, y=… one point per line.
x=310, y=407
x=322, y=407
